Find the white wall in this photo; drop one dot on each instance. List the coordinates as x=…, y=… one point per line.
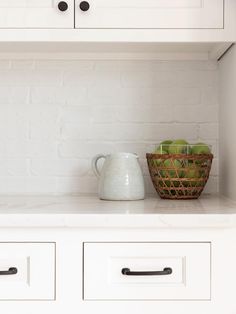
x=228, y=124
x=56, y=115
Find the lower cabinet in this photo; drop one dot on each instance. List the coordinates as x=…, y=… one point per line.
x=27, y=271
x=106, y=270
x=147, y=271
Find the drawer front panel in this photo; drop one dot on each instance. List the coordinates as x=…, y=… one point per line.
x=35, y=14
x=35, y=277
x=151, y=14
x=190, y=264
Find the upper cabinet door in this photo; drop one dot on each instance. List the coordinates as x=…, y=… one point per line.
x=149, y=14
x=36, y=14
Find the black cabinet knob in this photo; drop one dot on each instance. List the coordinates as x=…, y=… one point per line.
x=84, y=6
x=62, y=6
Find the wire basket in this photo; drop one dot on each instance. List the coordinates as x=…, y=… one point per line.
x=179, y=176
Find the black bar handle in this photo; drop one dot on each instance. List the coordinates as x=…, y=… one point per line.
x=128, y=272
x=10, y=271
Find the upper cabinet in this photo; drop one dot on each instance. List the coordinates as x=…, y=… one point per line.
x=36, y=14
x=112, y=14
x=149, y=14
x=183, y=28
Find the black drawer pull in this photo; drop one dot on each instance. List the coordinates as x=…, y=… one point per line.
x=10, y=271
x=128, y=272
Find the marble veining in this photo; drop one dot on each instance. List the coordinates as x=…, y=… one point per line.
x=89, y=211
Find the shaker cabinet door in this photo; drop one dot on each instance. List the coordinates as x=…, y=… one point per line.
x=36, y=14
x=147, y=271
x=146, y=14
x=27, y=271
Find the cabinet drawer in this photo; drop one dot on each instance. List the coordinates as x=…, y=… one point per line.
x=35, y=14
x=35, y=276
x=151, y=14
x=104, y=263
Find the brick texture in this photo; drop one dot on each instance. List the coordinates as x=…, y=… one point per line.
x=56, y=115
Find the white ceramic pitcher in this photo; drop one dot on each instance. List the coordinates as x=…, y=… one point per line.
x=121, y=177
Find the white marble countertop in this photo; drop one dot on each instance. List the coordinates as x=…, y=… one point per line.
x=88, y=211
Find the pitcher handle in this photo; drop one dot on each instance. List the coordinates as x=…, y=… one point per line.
x=95, y=164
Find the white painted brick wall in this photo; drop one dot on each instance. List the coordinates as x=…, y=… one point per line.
x=56, y=115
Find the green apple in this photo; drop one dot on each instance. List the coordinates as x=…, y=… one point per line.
x=193, y=173
x=171, y=173
x=160, y=151
x=159, y=161
x=168, y=184
x=165, y=145
x=200, y=148
x=179, y=147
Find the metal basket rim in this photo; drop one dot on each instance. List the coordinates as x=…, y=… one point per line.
x=176, y=156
